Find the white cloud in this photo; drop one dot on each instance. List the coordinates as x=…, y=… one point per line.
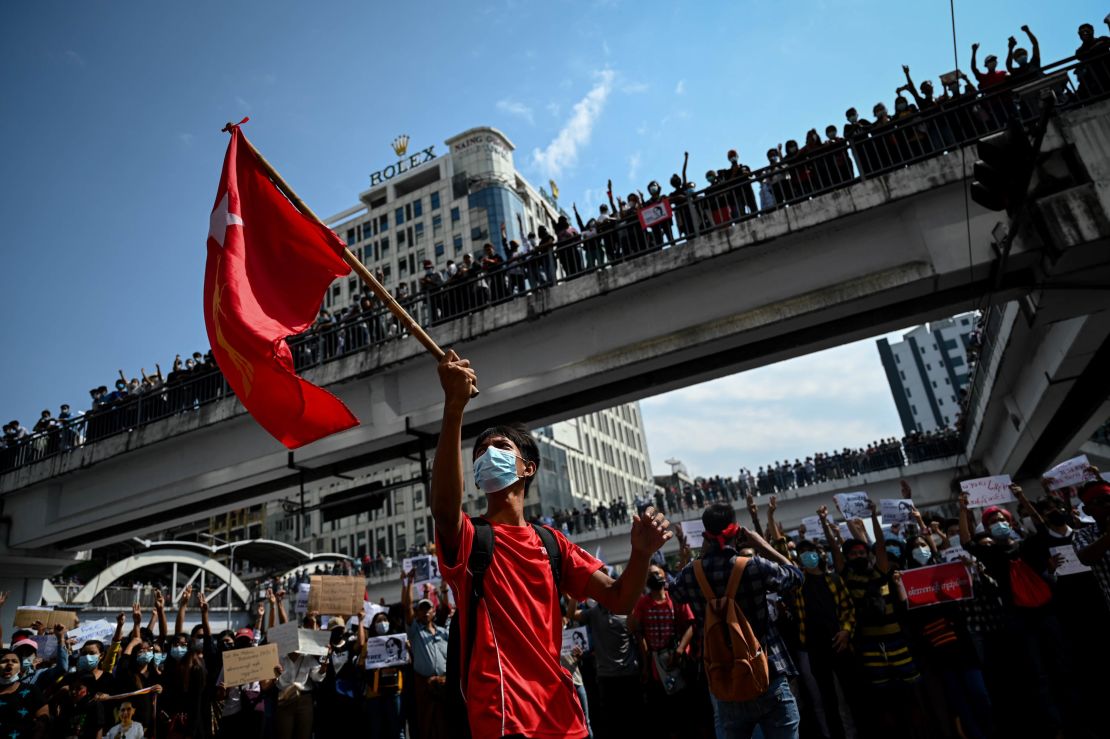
x=680, y=88
x=553, y=108
x=562, y=152
x=635, y=88
x=74, y=58
x=633, y=166
x=515, y=108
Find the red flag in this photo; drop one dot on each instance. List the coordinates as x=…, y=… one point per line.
x=269, y=266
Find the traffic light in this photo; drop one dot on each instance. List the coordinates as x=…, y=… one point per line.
x=1002, y=171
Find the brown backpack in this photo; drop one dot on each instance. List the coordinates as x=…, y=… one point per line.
x=735, y=663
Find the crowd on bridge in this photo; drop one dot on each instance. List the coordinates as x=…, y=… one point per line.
x=923, y=124
x=852, y=655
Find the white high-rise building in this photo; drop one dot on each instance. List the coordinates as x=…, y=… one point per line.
x=927, y=370
x=437, y=207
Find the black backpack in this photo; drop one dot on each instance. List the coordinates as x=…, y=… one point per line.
x=481, y=555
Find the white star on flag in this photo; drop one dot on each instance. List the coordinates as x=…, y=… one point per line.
x=220, y=220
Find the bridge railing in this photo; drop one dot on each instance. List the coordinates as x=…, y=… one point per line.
x=739, y=195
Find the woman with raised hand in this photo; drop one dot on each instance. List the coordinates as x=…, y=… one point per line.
x=383, y=685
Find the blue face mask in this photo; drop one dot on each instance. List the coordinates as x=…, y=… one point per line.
x=179, y=651
x=145, y=657
x=921, y=555
x=159, y=658
x=88, y=661
x=894, y=552
x=810, y=560
x=495, y=470
x=1000, y=530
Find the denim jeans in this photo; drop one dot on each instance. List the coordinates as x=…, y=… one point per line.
x=775, y=713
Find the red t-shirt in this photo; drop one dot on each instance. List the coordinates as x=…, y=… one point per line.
x=515, y=681
x=662, y=621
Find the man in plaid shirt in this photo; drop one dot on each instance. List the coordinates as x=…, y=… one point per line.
x=776, y=711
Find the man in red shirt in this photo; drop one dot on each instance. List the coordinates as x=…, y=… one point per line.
x=513, y=681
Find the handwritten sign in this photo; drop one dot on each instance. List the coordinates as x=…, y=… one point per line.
x=954, y=553
x=1071, y=565
x=853, y=505
x=101, y=631
x=896, y=510
x=251, y=664
x=845, y=532
x=369, y=610
x=1069, y=473
x=336, y=594
x=575, y=638
x=930, y=586
x=289, y=638
x=387, y=651
x=300, y=605
x=25, y=616
x=987, y=491
x=694, y=531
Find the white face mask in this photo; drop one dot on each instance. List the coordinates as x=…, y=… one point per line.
x=381, y=628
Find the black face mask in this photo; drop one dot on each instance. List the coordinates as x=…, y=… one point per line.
x=655, y=582
x=859, y=565
x=1057, y=518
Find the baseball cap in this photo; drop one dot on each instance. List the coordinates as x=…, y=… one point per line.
x=245, y=633
x=423, y=603
x=26, y=643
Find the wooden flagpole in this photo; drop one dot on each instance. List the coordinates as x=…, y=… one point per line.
x=349, y=257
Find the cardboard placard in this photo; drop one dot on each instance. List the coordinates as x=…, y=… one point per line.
x=387, y=651
x=930, y=586
x=853, y=505
x=1069, y=473
x=27, y=615
x=289, y=638
x=252, y=664
x=987, y=491
x=577, y=637
x=336, y=594
x=896, y=510
x=694, y=530
x=1072, y=565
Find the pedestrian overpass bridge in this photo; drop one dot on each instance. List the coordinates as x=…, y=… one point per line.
x=883, y=253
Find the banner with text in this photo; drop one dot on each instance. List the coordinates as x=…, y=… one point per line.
x=987, y=491
x=930, y=586
x=1069, y=473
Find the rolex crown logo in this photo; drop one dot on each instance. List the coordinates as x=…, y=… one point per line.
x=401, y=145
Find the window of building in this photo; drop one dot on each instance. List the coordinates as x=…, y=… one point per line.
x=408, y=211
x=946, y=382
x=457, y=242
x=946, y=420
x=476, y=233
x=914, y=409
x=940, y=401
x=956, y=361
x=350, y=237
x=383, y=222
x=439, y=249
x=928, y=366
x=417, y=208
x=435, y=201
x=402, y=269
x=437, y=225
x=400, y=237
x=386, y=272
x=908, y=393
x=903, y=375
x=399, y=216
x=898, y=359
x=385, y=247
x=934, y=384
x=455, y=216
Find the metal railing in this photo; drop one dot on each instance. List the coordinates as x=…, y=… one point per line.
x=741, y=195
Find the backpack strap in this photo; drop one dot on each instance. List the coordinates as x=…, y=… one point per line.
x=703, y=583
x=738, y=566
x=481, y=555
x=554, y=554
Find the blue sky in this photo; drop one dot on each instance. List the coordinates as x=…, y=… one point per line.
x=112, y=147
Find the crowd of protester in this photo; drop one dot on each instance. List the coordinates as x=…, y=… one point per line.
x=852, y=658
x=923, y=124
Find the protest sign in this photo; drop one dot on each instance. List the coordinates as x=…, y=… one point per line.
x=300, y=605
x=387, y=651
x=289, y=638
x=426, y=567
x=813, y=527
x=654, y=213
x=101, y=631
x=896, y=510
x=336, y=594
x=48, y=646
x=987, y=491
x=694, y=530
x=929, y=586
x=1069, y=473
x=954, y=553
x=845, y=533
x=243, y=666
x=1071, y=565
x=369, y=610
x=853, y=505
x=575, y=638
x=25, y=616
